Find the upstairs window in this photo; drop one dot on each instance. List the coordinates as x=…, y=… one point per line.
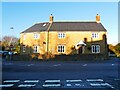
x=24, y=37
x=36, y=36
x=61, y=35
x=95, y=35
x=95, y=48
x=61, y=48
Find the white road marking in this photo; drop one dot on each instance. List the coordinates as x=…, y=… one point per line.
x=52, y=80
x=51, y=85
x=84, y=65
x=57, y=65
x=109, y=85
x=101, y=84
x=27, y=85
x=12, y=81
x=31, y=81
x=73, y=80
x=69, y=85
x=56, y=83
x=30, y=65
x=95, y=84
x=6, y=85
x=77, y=84
x=91, y=80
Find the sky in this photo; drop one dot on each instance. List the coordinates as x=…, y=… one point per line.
x=22, y=15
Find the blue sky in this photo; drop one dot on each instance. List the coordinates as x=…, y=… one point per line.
x=22, y=15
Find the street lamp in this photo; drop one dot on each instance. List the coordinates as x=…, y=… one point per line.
x=11, y=44
x=11, y=36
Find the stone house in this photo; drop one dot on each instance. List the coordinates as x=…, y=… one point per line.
x=70, y=37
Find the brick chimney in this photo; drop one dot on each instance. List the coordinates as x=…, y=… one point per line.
x=51, y=18
x=98, y=18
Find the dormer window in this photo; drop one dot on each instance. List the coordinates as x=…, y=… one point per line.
x=36, y=36
x=44, y=24
x=61, y=35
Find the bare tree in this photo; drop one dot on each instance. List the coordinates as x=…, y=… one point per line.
x=7, y=41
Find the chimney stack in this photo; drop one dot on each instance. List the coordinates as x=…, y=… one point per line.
x=98, y=18
x=51, y=18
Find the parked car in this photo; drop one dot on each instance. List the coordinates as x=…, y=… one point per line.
x=4, y=53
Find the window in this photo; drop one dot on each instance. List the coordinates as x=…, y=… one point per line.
x=61, y=48
x=36, y=49
x=61, y=35
x=36, y=36
x=44, y=24
x=24, y=37
x=95, y=35
x=95, y=48
x=24, y=48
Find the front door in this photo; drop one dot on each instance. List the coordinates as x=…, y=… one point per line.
x=80, y=50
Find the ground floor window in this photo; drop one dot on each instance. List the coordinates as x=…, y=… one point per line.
x=24, y=48
x=61, y=48
x=35, y=49
x=95, y=48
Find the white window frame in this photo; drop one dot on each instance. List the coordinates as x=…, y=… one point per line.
x=36, y=36
x=61, y=48
x=95, y=48
x=36, y=49
x=95, y=35
x=61, y=35
x=24, y=49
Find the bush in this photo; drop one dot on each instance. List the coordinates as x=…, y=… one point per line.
x=25, y=57
x=48, y=55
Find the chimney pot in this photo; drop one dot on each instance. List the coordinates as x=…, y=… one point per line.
x=51, y=18
x=98, y=18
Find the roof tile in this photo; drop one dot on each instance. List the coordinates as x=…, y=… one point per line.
x=66, y=26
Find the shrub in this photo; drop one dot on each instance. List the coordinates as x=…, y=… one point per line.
x=89, y=47
x=48, y=55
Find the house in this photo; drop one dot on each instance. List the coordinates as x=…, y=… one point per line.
x=87, y=37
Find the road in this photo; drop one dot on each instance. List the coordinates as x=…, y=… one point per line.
x=61, y=74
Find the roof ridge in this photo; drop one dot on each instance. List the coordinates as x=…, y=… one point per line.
x=40, y=22
x=75, y=21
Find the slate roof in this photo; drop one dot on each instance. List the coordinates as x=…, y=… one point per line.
x=67, y=26
x=38, y=27
x=77, y=26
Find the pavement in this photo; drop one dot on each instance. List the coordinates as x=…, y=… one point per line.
x=42, y=75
